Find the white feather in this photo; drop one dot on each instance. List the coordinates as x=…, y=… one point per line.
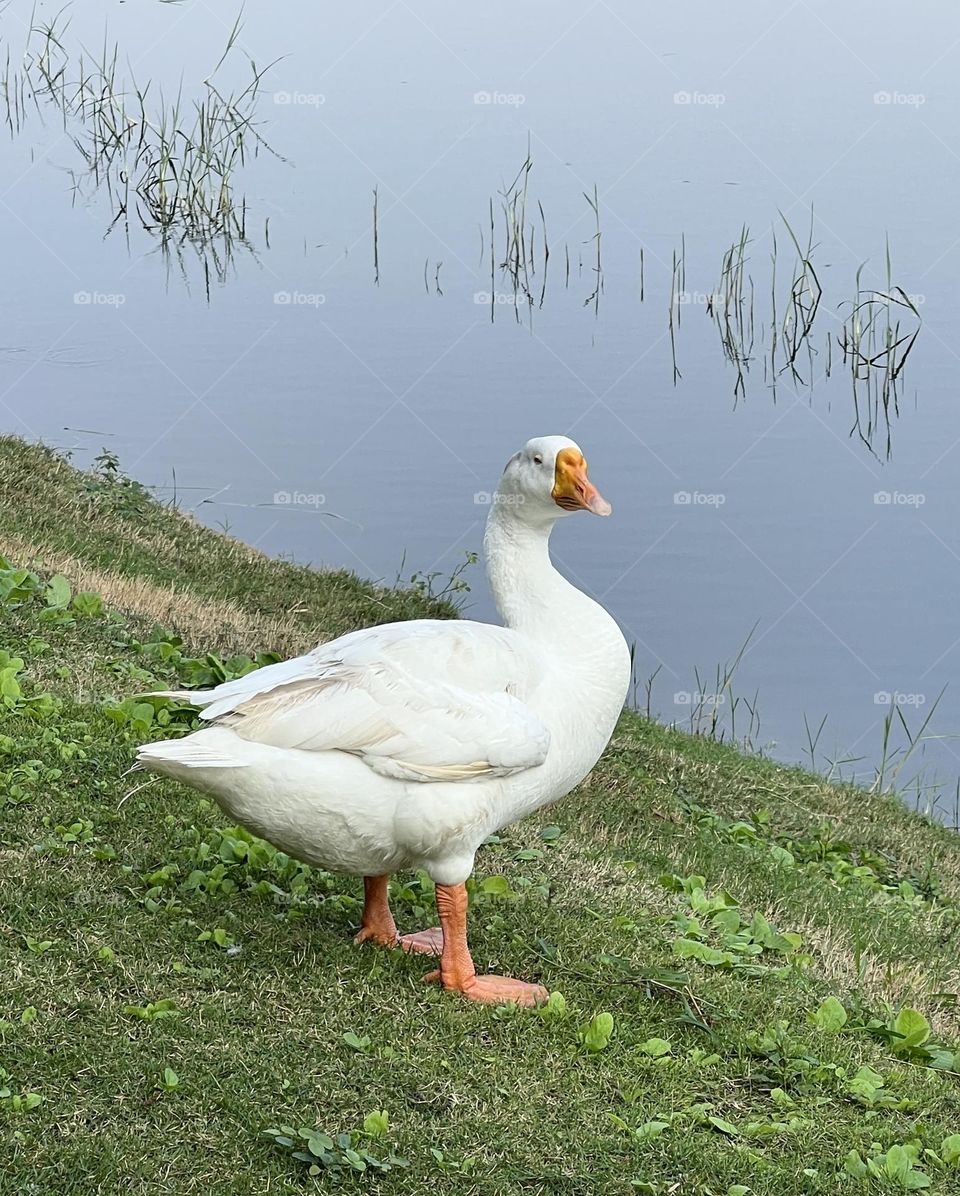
x=423, y=701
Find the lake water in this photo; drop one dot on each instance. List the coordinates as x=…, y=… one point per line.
x=322, y=412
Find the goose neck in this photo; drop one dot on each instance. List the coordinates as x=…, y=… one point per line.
x=528, y=590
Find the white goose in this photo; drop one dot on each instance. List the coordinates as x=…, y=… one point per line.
x=406, y=745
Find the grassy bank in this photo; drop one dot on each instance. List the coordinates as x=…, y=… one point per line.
x=759, y=970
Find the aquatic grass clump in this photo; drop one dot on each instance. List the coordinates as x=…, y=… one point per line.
x=678, y=276
x=731, y=307
x=521, y=254
x=802, y=307
x=170, y=166
x=593, y=299
x=876, y=339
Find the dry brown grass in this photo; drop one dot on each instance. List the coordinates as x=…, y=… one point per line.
x=881, y=980
x=199, y=621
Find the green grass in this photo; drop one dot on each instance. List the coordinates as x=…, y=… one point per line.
x=300, y=1028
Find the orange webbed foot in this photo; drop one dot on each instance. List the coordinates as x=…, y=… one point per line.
x=382, y=937
x=495, y=990
x=423, y=942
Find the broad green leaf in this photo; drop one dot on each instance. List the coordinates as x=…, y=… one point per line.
x=950, y=1150
x=87, y=603
x=897, y=1163
x=941, y=1059
x=913, y=1028
x=142, y=712
x=831, y=1016
x=725, y=1127
x=866, y=1084
x=496, y=886
x=761, y=930
x=596, y=1034
x=58, y=592
x=691, y=949
x=655, y=1047
x=555, y=1007
x=377, y=1123
x=9, y=685
x=354, y=1159
x=728, y=921
x=650, y=1130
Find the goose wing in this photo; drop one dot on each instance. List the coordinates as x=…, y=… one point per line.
x=426, y=700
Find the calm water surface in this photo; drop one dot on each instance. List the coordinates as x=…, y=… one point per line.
x=287, y=370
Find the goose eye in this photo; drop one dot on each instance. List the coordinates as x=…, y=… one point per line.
x=538, y=460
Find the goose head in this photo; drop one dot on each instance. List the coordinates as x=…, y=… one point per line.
x=546, y=480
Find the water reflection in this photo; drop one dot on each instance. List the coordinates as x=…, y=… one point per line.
x=171, y=168
x=168, y=167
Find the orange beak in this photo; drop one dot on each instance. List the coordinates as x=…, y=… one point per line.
x=572, y=489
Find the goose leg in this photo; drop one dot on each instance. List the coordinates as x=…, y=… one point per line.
x=456, y=971
x=377, y=924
